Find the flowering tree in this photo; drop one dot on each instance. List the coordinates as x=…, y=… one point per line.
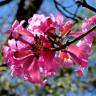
x=44, y=47
x=36, y=49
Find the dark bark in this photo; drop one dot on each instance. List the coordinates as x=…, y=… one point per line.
x=27, y=13
x=5, y=2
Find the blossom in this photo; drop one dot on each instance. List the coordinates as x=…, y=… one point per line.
x=67, y=27
x=29, y=52
x=25, y=54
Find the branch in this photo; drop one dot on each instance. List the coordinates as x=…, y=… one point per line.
x=64, y=13
x=5, y=2
x=73, y=16
x=20, y=9
x=86, y=5
x=76, y=39
x=26, y=13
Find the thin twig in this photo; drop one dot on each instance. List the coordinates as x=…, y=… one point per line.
x=76, y=39
x=86, y=5
x=59, y=7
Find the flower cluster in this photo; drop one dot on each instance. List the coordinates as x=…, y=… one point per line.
x=30, y=52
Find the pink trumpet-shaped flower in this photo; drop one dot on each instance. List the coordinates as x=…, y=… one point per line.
x=29, y=52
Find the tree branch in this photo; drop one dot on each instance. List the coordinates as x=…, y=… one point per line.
x=76, y=39
x=86, y=5
x=20, y=9
x=26, y=13
x=62, y=8
x=5, y=2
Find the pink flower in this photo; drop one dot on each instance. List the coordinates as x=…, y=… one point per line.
x=29, y=52
x=23, y=56
x=67, y=27
x=39, y=24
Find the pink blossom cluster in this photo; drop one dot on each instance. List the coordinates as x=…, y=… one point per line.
x=29, y=51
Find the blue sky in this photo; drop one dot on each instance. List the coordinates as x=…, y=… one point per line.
x=7, y=14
